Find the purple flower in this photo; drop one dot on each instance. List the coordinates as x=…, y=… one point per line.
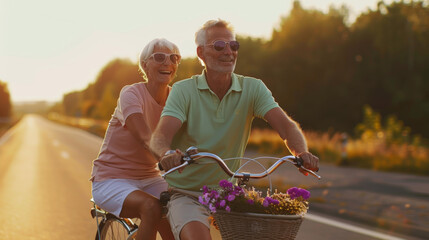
x=268, y=201
x=214, y=194
x=265, y=203
x=212, y=208
x=250, y=201
x=305, y=194
x=201, y=200
x=238, y=189
x=228, y=209
x=274, y=201
x=222, y=203
x=225, y=184
x=298, y=192
x=231, y=197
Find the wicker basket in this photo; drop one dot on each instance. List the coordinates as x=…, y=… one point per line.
x=236, y=226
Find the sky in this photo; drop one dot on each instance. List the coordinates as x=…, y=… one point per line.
x=52, y=47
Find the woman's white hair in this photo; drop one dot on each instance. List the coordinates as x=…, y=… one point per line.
x=148, y=50
x=201, y=34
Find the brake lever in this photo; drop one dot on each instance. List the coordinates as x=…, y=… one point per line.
x=186, y=163
x=299, y=163
x=187, y=157
x=186, y=160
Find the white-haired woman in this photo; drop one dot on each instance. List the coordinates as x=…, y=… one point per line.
x=125, y=180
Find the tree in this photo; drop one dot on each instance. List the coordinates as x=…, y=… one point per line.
x=5, y=103
x=187, y=68
x=390, y=45
x=308, y=67
x=71, y=104
x=107, y=103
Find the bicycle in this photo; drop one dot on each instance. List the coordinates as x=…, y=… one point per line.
x=112, y=227
x=236, y=225
x=117, y=228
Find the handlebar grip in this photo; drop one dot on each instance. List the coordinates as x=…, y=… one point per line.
x=162, y=169
x=298, y=162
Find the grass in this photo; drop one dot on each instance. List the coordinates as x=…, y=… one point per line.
x=97, y=127
x=375, y=153
x=4, y=127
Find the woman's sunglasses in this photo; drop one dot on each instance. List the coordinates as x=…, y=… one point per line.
x=160, y=57
x=220, y=45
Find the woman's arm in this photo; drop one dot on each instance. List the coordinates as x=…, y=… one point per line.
x=140, y=131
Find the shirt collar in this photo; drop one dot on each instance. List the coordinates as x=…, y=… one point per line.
x=202, y=82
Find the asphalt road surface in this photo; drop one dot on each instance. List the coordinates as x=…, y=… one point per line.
x=45, y=192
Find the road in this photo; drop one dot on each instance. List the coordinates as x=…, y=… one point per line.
x=45, y=192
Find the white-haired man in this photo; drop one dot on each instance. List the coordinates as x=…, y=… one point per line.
x=214, y=111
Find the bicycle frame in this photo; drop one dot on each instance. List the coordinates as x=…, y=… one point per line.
x=96, y=212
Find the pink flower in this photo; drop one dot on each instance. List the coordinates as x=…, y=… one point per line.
x=228, y=209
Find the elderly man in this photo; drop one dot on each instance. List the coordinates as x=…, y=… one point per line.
x=214, y=111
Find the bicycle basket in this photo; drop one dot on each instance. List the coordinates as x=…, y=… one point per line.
x=233, y=225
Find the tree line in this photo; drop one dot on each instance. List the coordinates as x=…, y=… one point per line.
x=320, y=69
x=5, y=102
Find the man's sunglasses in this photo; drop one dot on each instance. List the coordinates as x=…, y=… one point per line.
x=220, y=45
x=160, y=57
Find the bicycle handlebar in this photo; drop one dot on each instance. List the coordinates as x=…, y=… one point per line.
x=192, y=155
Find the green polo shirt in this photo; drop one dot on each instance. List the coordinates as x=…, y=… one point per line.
x=217, y=126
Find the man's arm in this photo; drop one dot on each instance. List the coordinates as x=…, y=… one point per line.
x=161, y=141
x=293, y=137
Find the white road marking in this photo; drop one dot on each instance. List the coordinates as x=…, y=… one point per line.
x=349, y=227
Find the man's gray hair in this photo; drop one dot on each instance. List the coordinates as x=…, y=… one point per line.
x=201, y=34
x=148, y=50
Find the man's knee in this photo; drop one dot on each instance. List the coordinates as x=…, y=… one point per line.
x=195, y=230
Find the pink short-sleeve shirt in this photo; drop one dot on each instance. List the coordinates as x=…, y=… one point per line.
x=121, y=155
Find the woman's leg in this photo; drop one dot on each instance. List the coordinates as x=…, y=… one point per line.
x=164, y=229
x=147, y=208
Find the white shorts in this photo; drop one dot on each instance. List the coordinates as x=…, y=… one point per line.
x=110, y=194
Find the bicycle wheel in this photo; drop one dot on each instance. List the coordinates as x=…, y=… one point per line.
x=113, y=228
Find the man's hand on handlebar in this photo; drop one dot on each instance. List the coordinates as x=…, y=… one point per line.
x=310, y=162
x=172, y=160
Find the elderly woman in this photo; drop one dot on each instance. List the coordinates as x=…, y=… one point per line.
x=125, y=180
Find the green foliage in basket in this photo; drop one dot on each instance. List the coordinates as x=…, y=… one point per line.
x=230, y=197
